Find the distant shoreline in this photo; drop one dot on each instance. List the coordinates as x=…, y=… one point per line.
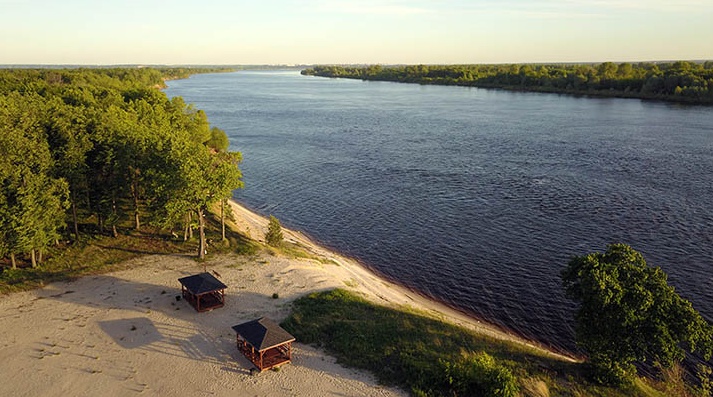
x=678, y=82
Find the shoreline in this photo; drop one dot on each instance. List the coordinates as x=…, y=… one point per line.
x=129, y=331
x=382, y=290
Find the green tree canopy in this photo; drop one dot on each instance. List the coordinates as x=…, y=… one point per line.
x=33, y=201
x=103, y=142
x=629, y=314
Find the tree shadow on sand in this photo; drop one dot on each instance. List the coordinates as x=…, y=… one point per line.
x=157, y=320
x=160, y=321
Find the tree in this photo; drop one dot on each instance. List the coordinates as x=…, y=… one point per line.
x=628, y=314
x=69, y=143
x=103, y=141
x=33, y=202
x=196, y=179
x=274, y=236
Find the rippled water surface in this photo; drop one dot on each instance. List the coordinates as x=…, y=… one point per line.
x=476, y=197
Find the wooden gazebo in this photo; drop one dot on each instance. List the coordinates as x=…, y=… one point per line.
x=203, y=291
x=264, y=343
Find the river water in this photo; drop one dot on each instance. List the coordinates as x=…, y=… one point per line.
x=475, y=197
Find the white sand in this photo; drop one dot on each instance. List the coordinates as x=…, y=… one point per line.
x=124, y=333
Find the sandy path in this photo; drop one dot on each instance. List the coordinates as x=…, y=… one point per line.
x=124, y=333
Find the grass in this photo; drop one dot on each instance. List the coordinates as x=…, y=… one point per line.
x=419, y=353
x=298, y=251
x=91, y=255
x=97, y=253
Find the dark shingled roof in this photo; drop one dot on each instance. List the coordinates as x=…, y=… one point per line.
x=202, y=283
x=263, y=333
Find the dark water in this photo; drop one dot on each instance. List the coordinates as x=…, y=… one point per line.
x=476, y=197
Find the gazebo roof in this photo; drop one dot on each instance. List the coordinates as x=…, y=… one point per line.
x=202, y=283
x=263, y=333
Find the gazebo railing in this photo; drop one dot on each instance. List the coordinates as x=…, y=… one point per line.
x=267, y=359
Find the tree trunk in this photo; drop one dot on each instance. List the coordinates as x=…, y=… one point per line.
x=100, y=223
x=136, y=213
x=135, y=194
x=201, y=230
x=74, y=216
x=136, y=220
x=190, y=226
x=114, y=232
x=34, y=260
x=187, y=224
x=13, y=260
x=39, y=256
x=222, y=216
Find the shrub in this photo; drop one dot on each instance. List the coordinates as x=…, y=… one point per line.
x=273, y=236
x=480, y=375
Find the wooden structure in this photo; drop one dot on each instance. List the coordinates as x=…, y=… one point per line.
x=203, y=291
x=264, y=343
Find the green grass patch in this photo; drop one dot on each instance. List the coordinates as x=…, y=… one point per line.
x=429, y=357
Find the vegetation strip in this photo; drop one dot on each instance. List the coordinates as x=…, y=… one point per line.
x=681, y=81
x=429, y=357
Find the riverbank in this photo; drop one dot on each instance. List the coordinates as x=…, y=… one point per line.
x=376, y=288
x=677, y=82
x=125, y=332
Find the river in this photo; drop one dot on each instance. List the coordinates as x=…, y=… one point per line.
x=475, y=197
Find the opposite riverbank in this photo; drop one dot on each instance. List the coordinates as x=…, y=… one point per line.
x=678, y=82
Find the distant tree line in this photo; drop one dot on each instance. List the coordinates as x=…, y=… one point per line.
x=106, y=145
x=680, y=81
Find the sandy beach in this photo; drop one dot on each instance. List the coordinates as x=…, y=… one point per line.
x=124, y=333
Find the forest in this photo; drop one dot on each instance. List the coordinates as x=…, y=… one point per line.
x=103, y=147
x=681, y=81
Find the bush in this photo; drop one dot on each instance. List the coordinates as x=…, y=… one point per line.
x=479, y=375
x=273, y=236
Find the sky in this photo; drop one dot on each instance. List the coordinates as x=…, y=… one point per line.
x=257, y=32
